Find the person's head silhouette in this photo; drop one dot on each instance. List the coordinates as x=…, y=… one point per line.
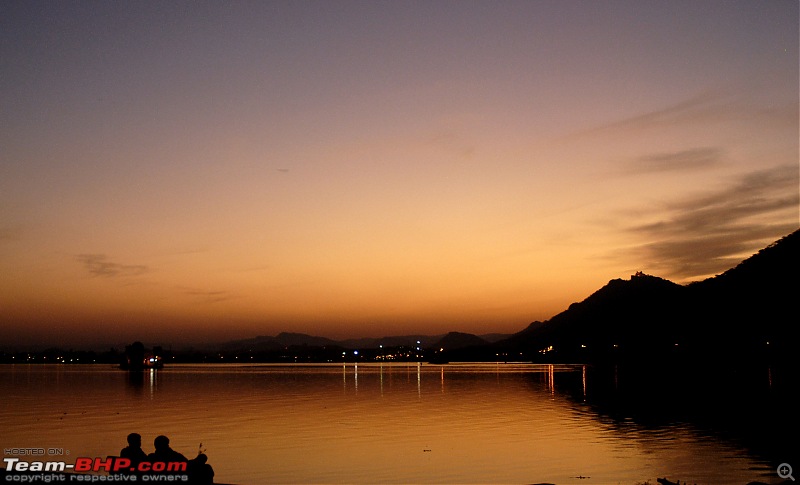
x=202, y=458
x=135, y=439
x=161, y=443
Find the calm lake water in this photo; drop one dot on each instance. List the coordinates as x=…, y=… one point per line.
x=414, y=423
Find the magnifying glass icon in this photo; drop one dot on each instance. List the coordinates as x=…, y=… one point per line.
x=785, y=471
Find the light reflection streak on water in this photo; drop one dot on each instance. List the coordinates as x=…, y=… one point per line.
x=152, y=381
x=583, y=380
x=419, y=381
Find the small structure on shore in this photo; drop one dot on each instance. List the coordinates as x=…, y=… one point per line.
x=137, y=358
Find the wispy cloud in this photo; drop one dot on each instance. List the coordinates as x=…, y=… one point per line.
x=706, y=234
x=10, y=233
x=100, y=265
x=206, y=296
x=704, y=109
x=692, y=159
x=453, y=141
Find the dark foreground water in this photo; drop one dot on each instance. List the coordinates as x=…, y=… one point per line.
x=412, y=423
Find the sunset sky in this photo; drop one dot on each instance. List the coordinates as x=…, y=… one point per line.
x=197, y=171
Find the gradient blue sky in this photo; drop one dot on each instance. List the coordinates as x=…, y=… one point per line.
x=193, y=171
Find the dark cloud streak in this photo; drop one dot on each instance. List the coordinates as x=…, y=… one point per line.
x=10, y=233
x=692, y=159
x=703, y=109
x=707, y=234
x=99, y=265
x=206, y=296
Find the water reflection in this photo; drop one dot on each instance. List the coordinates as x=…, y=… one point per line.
x=402, y=423
x=736, y=408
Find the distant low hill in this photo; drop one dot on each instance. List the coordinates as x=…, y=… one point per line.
x=290, y=339
x=459, y=340
x=282, y=340
x=749, y=310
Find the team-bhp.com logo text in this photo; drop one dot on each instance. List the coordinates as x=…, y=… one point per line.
x=119, y=469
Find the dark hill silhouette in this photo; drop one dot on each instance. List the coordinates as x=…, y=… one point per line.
x=622, y=314
x=390, y=341
x=494, y=337
x=260, y=343
x=760, y=293
x=290, y=338
x=750, y=310
x=459, y=340
x=282, y=340
x=778, y=259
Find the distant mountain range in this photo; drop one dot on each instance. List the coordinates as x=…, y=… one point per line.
x=750, y=310
x=283, y=340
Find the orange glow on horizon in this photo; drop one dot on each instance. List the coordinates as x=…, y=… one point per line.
x=383, y=171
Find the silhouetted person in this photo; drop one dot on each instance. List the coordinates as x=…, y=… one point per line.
x=200, y=472
x=164, y=453
x=134, y=451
